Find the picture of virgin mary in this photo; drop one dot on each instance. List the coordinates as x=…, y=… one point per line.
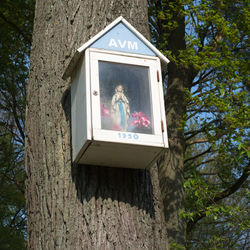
x=120, y=111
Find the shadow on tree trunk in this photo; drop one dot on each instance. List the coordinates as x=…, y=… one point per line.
x=130, y=186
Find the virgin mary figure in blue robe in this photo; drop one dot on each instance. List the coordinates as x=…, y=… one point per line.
x=120, y=109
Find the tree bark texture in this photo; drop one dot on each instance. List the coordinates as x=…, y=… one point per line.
x=70, y=206
x=171, y=168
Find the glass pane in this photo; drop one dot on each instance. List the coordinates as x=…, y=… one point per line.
x=125, y=98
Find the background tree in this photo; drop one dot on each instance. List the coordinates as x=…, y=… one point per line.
x=80, y=207
x=16, y=18
x=208, y=38
x=207, y=114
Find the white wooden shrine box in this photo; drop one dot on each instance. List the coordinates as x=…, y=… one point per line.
x=117, y=105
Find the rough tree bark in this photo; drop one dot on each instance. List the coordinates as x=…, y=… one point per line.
x=80, y=207
x=171, y=168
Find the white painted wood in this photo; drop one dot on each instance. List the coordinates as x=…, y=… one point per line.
x=128, y=137
x=130, y=27
x=99, y=134
x=119, y=53
x=88, y=96
x=78, y=109
x=150, y=45
x=162, y=108
x=80, y=50
x=101, y=33
x=120, y=155
x=81, y=125
x=93, y=145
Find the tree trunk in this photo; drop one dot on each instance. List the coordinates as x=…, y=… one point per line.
x=171, y=169
x=70, y=206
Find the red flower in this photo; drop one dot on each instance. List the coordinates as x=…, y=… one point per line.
x=116, y=127
x=140, y=120
x=104, y=111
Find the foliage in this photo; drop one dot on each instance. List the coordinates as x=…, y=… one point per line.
x=12, y=203
x=16, y=18
x=216, y=122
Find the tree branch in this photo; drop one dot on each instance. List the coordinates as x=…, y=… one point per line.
x=187, y=168
x=203, y=77
x=197, y=141
x=193, y=114
x=219, y=196
x=16, y=118
x=15, y=27
x=199, y=155
x=14, y=217
x=195, y=132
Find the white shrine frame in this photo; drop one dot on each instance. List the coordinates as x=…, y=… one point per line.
x=158, y=138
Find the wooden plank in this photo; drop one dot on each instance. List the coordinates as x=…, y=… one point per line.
x=122, y=155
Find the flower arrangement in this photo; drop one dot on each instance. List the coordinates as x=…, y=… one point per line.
x=106, y=119
x=140, y=120
x=104, y=111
